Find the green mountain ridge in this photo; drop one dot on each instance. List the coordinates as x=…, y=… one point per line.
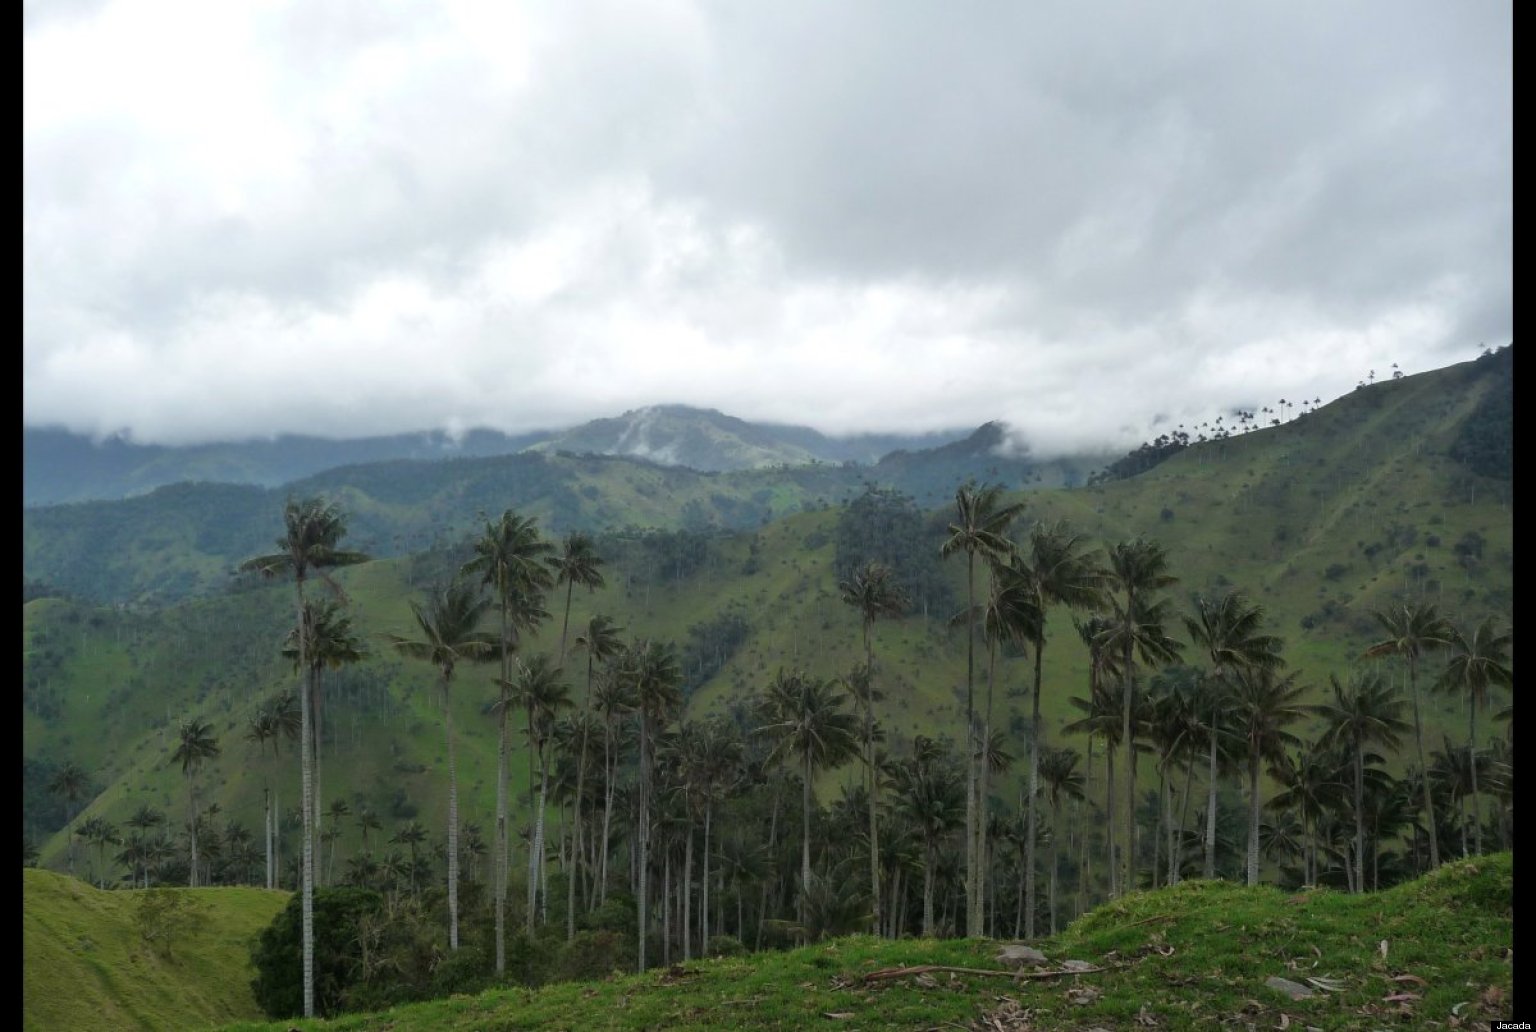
x=1322, y=520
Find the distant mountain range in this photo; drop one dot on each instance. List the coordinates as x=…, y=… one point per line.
x=60, y=466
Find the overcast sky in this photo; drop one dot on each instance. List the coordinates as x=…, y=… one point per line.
x=359, y=217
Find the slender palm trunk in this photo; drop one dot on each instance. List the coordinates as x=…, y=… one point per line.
x=688, y=896
x=602, y=867
x=805, y=834
x=266, y=798
x=314, y=698
x=1431, y=827
x=1176, y=859
x=1032, y=807
x=191, y=830
x=453, y=824
x=540, y=867
x=503, y=866
x=1253, y=816
x=1128, y=737
x=1055, y=860
x=1113, y=861
x=1359, y=816
x=307, y=820
x=1477, y=806
x=1210, y=806
x=929, y=861
x=972, y=863
x=644, y=836
x=873, y=773
x=704, y=892
x=983, y=776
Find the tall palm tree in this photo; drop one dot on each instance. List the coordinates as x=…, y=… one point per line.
x=510, y=558
x=101, y=833
x=311, y=542
x=1056, y=571
x=331, y=645
x=807, y=722
x=1101, y=719
x=1227, y=631
x=1062, y=780
x=980, y=529
x=70, y=783
x=930, y=800
x=195, y=745
x=1136, y=569
x=656, y=690
x=1363, y=713
x=577, y=563
x=449, y=626
x=1478, y=660
x=1412, y=631
x=601, y=642
x=1311, y=789
x=1264, y=706
x=874, y=592
x=537, y=687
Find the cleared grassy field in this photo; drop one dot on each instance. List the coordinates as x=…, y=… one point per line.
x=85, y=965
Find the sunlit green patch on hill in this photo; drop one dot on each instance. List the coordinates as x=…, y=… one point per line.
x=86, y=964
x=1436, y=952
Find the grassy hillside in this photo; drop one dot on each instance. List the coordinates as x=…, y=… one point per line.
x=1434, y=953
x=86, y=965
x=1321, y=520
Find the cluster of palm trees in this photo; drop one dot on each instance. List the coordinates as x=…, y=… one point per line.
x=667, y=812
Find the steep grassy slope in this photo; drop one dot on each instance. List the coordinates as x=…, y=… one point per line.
x=86, y=966
x=1432, y=953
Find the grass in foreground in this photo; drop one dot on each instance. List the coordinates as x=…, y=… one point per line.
x=86, y=966
x=1192, y=957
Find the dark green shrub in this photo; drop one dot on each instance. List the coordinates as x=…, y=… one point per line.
x=278, y=952
x=593, y=955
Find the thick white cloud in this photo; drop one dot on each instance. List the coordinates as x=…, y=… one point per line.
x=354, y=218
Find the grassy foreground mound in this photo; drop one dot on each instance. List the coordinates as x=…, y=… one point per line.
x=87, y=965
x=1435, y=953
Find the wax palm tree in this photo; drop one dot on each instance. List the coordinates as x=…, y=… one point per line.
x=1101, y=718
x=450, y=633
x=70, y=783
x=367, y=820
x=331, y=646
x=1055, y=570
x=874, y=592
x=313, y=529
x=1365, y=712
x=980, y=529
x=510, y=558
x=805, y=719
x=930, y=800
x=1412, y=631
x=1010, y=616
x=1264, y=706
x=1136, y=628
x=195, y=745
x=1310, y=788
x=1062, y=780
x=101, y=833
x=1228, y=631
x=411, y=835
x=600, y=640
x=614, y=697
x=538, y=688
x=655, y=679
x=577, y=563
x=1478, y=661
x=711, y=765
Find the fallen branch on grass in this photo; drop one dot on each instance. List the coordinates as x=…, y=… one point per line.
x=1018, y=976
